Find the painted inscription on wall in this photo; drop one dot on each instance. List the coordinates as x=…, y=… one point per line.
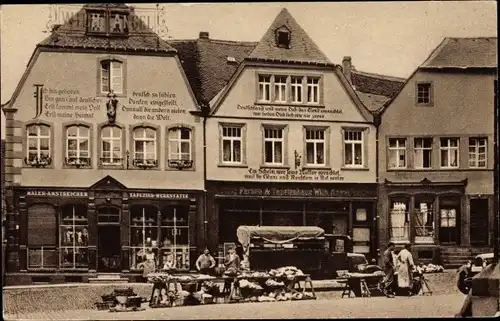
x=293, y=175
x=65, y=103
x=145, y=105
x=294, y=112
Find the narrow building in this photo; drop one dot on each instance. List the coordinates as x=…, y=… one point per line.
x=436, y=154
x=104, y=159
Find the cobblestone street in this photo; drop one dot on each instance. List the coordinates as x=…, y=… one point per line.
x=380, y=307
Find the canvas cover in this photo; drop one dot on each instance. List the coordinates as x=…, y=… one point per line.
x=277, y=234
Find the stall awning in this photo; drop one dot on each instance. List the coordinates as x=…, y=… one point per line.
x=278, y=234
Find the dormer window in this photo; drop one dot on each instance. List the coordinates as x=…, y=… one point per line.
x=283, y=37
x=107, y=22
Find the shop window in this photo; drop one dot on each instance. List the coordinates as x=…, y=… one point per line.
x=111, y=145
x=361, y=240
x=280, y=92
x=145, y=148
x=143, y=234
x=296, y=89
x=38, y=153
x=277, y=213
x=424, y=94
x=233, y=213
x=232, y=144
x=175, y=237
x=477, y=152
x=273, y=146
x=353, y=148
x=313, y=90
x=399, y=220
x=180, y=148
x=111, y=77
x=424, y=220
x=78, y=145
x=315, y=146
x=74, y=236
x=397, y=153
x=423, y=152
x=449, y=148
x=264, y=88
x=42, y=236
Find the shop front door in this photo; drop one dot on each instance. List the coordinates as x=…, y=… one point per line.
x=109, y=248
x=449, y=219
x=479, y=222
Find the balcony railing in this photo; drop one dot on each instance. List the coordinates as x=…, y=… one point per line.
x=35, y=161
x=78, y=161
x=180, y=163
x=144, y=163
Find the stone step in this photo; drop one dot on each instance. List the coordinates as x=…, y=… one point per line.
x=108, y=281
x=109, y=276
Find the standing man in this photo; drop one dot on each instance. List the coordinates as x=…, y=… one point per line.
x=405, y=269
x=205, y=263
x=388, y=262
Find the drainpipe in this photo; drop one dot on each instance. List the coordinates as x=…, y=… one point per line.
x=376, y=122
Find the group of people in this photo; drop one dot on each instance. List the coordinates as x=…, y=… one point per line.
x=401, y=264
x=206, y=263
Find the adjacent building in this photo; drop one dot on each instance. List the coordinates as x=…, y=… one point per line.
x=436, y=153
x=103, y=156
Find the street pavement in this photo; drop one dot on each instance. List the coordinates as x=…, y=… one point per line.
x=446, y=305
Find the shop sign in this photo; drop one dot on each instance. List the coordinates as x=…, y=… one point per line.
x=295, y=192
x=57, y=193
x=293, y=112
x=293, y=175
x=170, y=196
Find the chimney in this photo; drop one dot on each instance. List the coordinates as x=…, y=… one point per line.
x=346, y=68
x=203, y=35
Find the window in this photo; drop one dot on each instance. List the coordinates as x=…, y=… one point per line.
x=144, y=147
x=448, y=217
x=280, y=88
x=111, y=145
x=477, y=152
x=42, y=236
x=449, y=152
x=179, y=142
x=399, y=220
x=144, y=234
x=74, y=236
x=283, y=38
x=107, y=22
x=313, y=90
x=273, y=146
x=424, y=219
x=231, y=144
x=397, y=152
x=264, y=88
x=38, y=151
x=353, y=148
x=111, y=76
x=296, y=87
x=423, y=152
x=315, y=146
x=175, y=237
x=78, y=145
x=424, y=93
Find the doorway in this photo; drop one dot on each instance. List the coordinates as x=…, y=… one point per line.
x=449, y=220
x=109, y=248
x=479, y=222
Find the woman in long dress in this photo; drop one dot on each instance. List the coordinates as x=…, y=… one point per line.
x=405, y=269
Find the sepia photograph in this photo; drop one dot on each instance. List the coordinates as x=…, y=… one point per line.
x=258, y=160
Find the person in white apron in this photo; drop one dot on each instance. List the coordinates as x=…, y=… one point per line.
x=405, y=269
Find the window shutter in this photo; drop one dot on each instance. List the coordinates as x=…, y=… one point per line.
x=42, y=225
x=116, y=77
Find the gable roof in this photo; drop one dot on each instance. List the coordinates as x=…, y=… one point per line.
x=206, y=64
x=72, y=34
x=302, y=47
x=478, y=52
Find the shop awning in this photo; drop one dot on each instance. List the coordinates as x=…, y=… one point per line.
x=278, y=234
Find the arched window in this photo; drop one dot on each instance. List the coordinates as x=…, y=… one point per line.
x=180, y=147
x=145, y=147
x=111, y=145
x=38, y=140
x=74, y=236
x=78, y=145
x=111, y=76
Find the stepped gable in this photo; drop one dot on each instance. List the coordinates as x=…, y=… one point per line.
x=302, y=48
x=209, y=64
x=72, y=34
x=476, y=52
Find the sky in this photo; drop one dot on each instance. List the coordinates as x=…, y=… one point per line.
x=391, y=38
